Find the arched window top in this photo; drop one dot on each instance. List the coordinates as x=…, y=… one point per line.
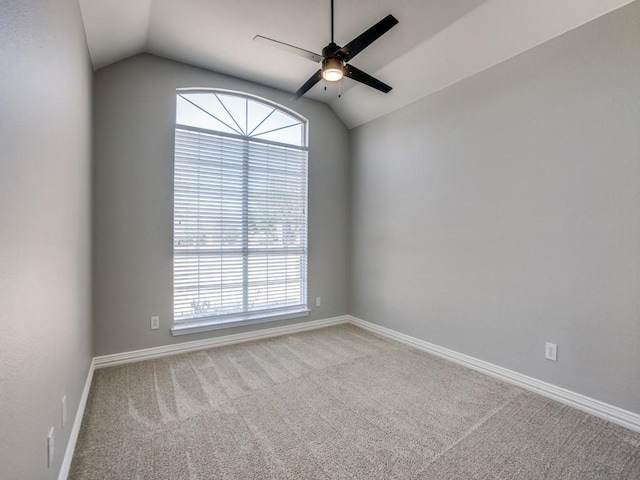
x=239, y=114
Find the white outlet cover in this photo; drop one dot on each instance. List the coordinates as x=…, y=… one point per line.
x=318, y=301
x=155, y=323
x=551, y=351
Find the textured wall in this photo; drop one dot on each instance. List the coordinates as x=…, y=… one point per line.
x=502, y=212
x=133, y=209
x=45, y=129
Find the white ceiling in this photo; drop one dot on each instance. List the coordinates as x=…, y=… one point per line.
x=437, y=42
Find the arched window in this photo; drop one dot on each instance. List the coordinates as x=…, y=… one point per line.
x=240, y=211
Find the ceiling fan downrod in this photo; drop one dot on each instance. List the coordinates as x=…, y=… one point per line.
x=332, y=39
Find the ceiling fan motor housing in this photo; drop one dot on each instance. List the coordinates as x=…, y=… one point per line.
x=332, y=63
x=331, y=51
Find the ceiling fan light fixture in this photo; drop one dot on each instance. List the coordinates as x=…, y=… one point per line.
x=332, y=69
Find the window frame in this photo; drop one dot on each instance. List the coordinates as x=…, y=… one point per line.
x=215, y=322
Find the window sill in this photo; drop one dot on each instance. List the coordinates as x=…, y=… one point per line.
x=209, y=324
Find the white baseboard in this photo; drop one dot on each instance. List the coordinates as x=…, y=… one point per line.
x=600, y=409
x=595, y=407
x=77, y=422
x=156, y=352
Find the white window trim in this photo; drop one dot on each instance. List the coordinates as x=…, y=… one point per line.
x=213, y=323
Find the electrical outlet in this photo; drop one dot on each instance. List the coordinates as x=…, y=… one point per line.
x=64, y=411
x=50, y=448
x=318, y=301
x=155, y=323
x=551, y=351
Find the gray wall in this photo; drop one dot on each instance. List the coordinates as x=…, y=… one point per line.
x=134, y=121
x=503, y=212
x=45, y=128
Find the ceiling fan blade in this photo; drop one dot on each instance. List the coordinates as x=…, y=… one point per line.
x=359, y=76
x=314, y=57
x=308, y=84
x=362, y=41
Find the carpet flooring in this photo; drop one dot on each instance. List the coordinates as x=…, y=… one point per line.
x=334, y=403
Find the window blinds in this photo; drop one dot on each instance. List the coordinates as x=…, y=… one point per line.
x=240, y=226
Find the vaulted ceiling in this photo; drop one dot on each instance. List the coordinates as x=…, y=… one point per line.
x=437, y=42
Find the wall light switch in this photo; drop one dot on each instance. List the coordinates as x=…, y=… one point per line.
x=64, y=411
x=50, y=448
x=155, y=323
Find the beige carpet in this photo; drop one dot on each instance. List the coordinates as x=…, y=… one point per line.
x=336, y=403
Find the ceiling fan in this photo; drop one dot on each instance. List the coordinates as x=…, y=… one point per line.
x=334, y=58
